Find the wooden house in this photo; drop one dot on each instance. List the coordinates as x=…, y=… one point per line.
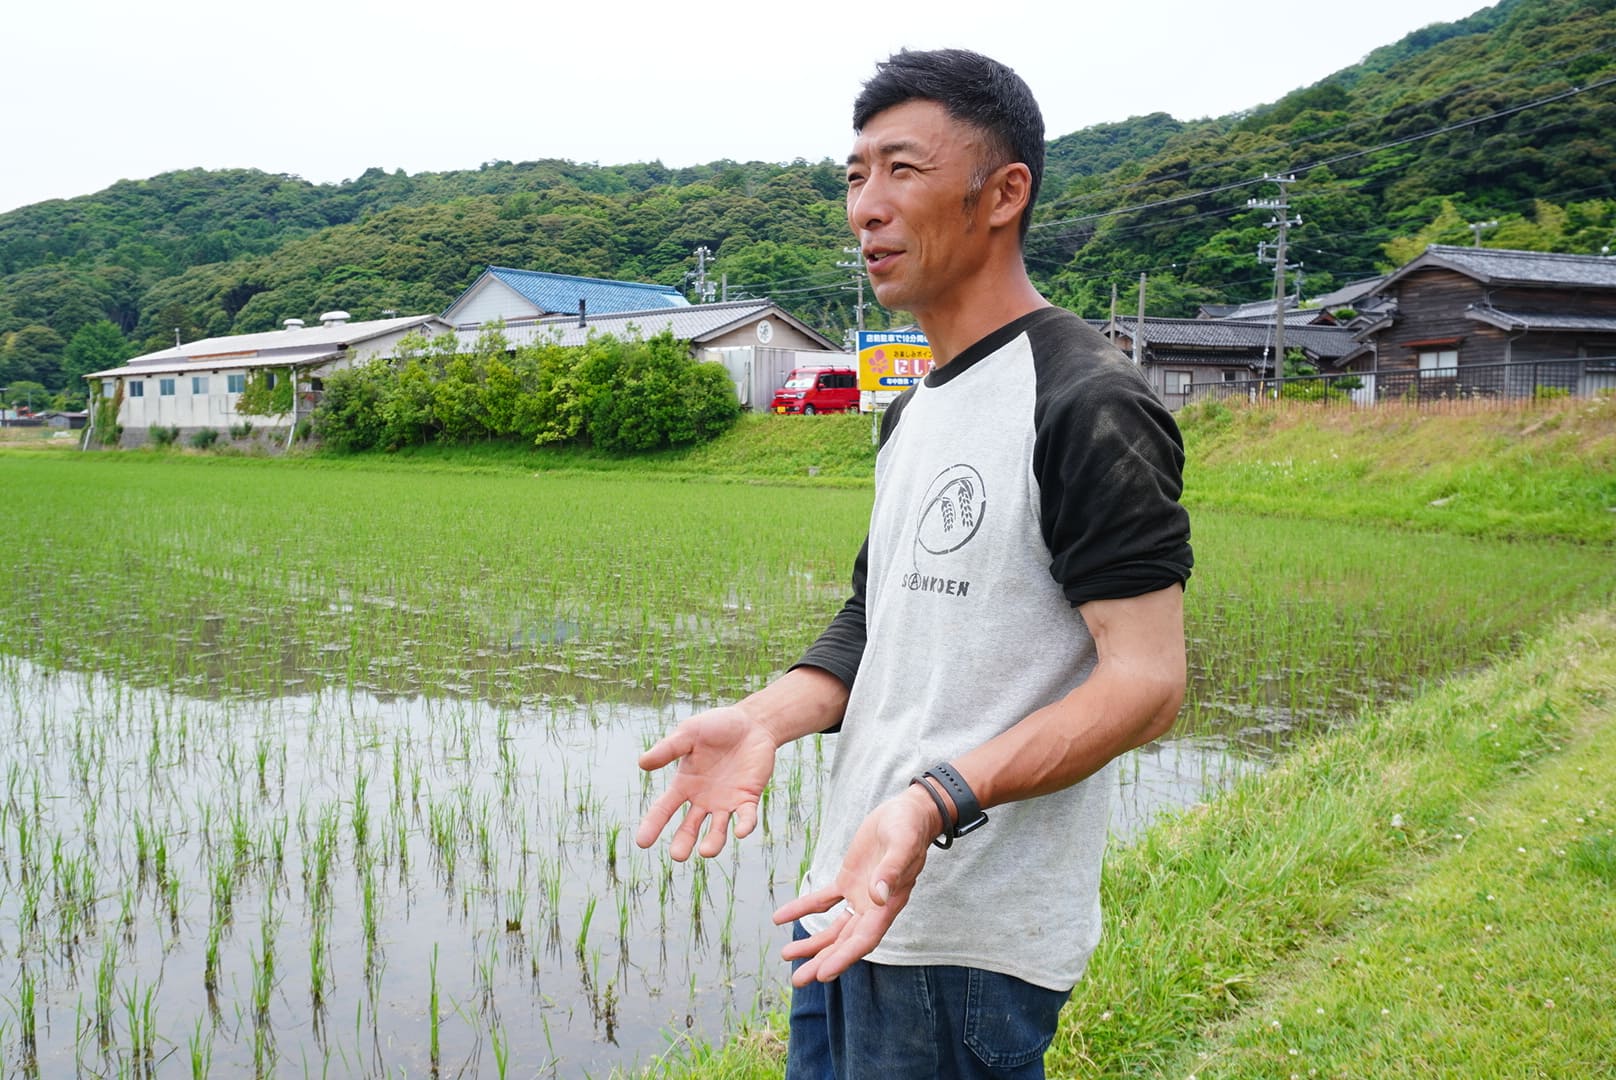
x=1181, y=356
x=1466, y=321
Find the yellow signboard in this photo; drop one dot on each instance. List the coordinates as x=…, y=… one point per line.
x=892, y=359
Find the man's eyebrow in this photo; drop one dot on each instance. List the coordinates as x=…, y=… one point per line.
x=887, y=149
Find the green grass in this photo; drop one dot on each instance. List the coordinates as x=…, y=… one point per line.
x=822, y=450
x=1493, y=961
x=1544, y=469
x=1212, y=913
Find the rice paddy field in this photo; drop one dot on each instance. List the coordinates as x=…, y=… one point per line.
x=330, y=771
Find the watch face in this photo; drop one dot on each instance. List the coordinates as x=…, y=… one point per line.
x=765, y=332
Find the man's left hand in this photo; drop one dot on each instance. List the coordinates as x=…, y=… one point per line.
x=876, y=877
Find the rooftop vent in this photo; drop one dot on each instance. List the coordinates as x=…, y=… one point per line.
x=293, y=324
x=583, y=312
x=334, y=318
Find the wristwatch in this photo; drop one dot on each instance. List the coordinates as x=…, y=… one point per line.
x=970, y=814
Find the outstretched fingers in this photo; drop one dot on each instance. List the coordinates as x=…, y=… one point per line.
x=658, y=815
x=672, y=746
x=717, y=832
x=808, y=904
x=689, y=831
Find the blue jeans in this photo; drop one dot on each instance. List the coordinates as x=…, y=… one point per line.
x=887, y=1022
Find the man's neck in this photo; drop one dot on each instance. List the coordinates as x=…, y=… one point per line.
x=1006, y=295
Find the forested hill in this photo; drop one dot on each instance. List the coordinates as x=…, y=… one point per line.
x=1508, y=116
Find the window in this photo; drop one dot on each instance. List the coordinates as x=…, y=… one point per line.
x=235, y=384
x=1439, y=362
x=137, y=388
x=1231, y=376
x=165, y=387
x=1178, y=382
x=199, y=384
x=269, y=380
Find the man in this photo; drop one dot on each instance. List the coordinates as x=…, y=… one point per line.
x=1016, y=623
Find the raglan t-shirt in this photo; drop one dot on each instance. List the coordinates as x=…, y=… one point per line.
x=1034, y=472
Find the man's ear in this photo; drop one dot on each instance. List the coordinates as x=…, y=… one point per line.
x=1008, y=191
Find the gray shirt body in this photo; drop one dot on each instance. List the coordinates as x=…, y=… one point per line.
x=1034, y=472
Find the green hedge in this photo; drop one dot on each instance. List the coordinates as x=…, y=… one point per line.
x=614, y=394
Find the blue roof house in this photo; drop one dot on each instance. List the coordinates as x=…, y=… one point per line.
x=503, y=294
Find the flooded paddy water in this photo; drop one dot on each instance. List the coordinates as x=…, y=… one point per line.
x=325, y=770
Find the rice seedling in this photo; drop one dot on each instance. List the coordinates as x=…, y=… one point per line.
x=432, y=1010
x=200, y=1052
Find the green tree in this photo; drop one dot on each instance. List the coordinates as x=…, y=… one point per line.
x=27, y=394
x=32, y=354
x=96, y=347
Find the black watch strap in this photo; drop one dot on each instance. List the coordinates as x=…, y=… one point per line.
x=969, y=810
x=944, y=839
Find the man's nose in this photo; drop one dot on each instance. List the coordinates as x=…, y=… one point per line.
x=867, y=205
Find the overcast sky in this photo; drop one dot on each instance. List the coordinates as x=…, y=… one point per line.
x=98, y=91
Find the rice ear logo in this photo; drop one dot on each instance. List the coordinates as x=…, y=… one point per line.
x=952, y=510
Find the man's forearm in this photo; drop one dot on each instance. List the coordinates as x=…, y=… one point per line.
x=803, y=701
x=1131, y=698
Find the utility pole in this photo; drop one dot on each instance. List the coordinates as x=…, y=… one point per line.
x=856, y=264
x=704, y=288
x=1282, y=221
x=1475, y=228
x=1139, y=327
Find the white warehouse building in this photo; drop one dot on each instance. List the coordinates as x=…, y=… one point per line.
x=197, y=385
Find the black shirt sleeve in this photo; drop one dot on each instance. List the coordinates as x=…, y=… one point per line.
x=1109, y=462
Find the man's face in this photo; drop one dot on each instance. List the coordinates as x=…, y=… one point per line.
x=908, y=185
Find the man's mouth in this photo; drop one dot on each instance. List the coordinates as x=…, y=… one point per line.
x=878, y=260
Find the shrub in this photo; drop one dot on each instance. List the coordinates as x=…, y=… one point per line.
x=348, y=418
x=242, y=430
x=107, y=428
x=260, y=398
x=1208, y=415
x=204, y=438
x=1550, y=393
x=163, y=436
x=617, y=395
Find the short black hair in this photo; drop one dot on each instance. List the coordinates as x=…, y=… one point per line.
x=974, y=90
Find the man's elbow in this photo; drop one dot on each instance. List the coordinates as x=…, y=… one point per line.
x=1162, y=695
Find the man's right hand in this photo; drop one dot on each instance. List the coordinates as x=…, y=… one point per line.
x=725, y=760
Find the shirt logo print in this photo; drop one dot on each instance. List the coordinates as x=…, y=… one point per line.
x=952, y=510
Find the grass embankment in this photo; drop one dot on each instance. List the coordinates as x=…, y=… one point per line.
x=818, y=450
x=1425, y=893
x=1545, y=469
